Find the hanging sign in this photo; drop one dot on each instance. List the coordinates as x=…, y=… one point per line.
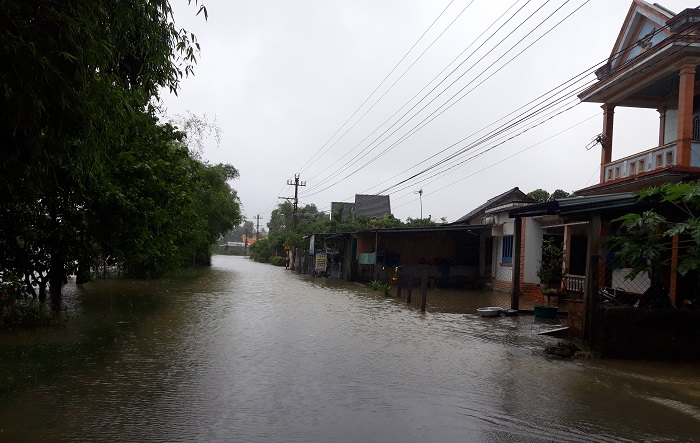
x=321, y=261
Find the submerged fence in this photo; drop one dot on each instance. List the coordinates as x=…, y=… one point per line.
x=637, y=316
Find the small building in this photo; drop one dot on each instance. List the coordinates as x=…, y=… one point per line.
x=496, y=242
x=373, y=206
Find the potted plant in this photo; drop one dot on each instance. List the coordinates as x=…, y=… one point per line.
x=551, y=271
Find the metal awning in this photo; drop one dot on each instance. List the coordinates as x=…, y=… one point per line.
x=579, y=205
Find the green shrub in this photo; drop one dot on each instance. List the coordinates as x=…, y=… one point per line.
x=277, y=261
x=23, y=313
x=16, y=308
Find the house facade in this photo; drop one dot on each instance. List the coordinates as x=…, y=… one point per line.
x=496, y=243
x=653, y=65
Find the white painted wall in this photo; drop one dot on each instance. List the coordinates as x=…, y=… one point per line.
x=504, y=273
x=638, y=285
x=533, y=250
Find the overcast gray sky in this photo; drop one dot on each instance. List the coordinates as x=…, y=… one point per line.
x=282, y=79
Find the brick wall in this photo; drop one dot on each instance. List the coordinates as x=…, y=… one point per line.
x=502, y=285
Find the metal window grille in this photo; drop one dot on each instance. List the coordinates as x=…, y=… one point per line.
x=507, y=255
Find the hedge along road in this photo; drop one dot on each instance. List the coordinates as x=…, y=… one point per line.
x=252, y=352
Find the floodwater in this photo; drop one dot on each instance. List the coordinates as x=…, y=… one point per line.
x=254, y=353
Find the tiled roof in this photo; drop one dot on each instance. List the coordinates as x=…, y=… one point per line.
x=372, y=205
x=510, y=195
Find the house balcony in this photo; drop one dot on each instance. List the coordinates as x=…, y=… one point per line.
x=661, y=157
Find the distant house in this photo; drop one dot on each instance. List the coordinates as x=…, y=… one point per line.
x=372, y=205
x=476, y=216
x=365, y=204
x=496, y=243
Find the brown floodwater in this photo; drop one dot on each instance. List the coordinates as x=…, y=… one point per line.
x=254, y=353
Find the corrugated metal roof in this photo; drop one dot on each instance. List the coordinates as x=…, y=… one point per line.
x=438, y=228
x=577, y=205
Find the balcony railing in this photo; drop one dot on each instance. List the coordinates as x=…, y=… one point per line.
x=656, y=158
x=574, y=283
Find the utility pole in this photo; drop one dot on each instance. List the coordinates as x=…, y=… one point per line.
x=257, y=226
x=296, y=183
x=420, y=196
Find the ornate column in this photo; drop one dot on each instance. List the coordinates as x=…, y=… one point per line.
x=686, y=91
x=606, y=145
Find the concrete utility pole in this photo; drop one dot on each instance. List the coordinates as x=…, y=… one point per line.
x=257, y=226
x=296, y=183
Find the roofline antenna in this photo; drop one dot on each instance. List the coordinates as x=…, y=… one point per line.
x=598, y=139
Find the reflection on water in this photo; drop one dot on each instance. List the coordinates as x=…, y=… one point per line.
x=251, y=352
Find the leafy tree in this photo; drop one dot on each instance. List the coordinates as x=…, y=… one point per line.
x=559, y=193
x=309, y=219
x=86, y=171
x=645, y=238
x=197, y=129
x=159, y=208
x=420, y=222
x=281, y=219
x=550, y=270
x=540, y=195
x=238, y=232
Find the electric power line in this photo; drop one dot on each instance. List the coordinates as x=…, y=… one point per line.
x=304, y=166
x=438, y=111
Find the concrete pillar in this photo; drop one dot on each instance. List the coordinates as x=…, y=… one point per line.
x=567, y=251
x=662, y=125
x=686, y=92
x=606, y=145
x=517, y=268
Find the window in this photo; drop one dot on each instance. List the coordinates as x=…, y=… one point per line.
x=696, y=128
x=669, y=158
x=641, y=166
x=507, y=255
x=632, y=168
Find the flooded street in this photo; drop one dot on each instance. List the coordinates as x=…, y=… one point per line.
x=251, y=352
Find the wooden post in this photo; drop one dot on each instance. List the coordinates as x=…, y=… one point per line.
x=376, y=245
x=423, y=291
x=410, y=285
x=590, y=295
x=399, y=278
x=517, y=254
x=673, y=281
